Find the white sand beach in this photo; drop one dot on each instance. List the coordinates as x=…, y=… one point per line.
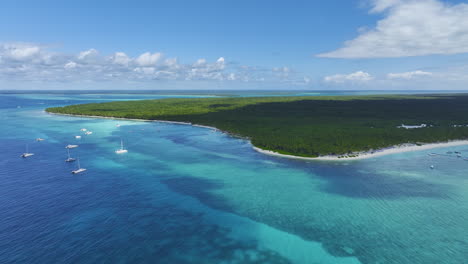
x=371, y=154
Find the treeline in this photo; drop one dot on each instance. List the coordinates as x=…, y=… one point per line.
x=307, y=126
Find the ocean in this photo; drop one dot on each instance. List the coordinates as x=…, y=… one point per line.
x=187, y=194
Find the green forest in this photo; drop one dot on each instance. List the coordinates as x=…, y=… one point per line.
x=308, y=126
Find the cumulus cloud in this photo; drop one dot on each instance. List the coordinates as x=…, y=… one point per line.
x=148, y=59
x=22, y=52
x=88, y=56
x=30, y=62
x=410, y=28
x=359, y=76
x=120, y=58
x=408, y=75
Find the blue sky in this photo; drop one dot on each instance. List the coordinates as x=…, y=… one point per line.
x=335, y=44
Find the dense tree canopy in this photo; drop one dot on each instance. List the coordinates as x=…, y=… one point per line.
x=307, y=126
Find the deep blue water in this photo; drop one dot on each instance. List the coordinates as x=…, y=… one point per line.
x=187, y=194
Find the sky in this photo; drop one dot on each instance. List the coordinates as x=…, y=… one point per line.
x=256, y=44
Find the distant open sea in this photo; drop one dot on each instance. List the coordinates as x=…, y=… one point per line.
x=188, y=194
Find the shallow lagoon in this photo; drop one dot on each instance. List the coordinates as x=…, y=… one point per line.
x=187, y=194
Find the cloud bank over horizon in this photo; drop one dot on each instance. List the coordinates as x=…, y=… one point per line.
x=37, y=63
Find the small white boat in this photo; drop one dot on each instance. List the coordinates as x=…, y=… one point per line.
x=40, y=139
x=432, y=167
x=88, y=132
x=79, y=170
x=27, y=154
x=77, y=137
x=71, y=146
x=83, y=129
x=69, y=159
x=121, y=150
x=118, y=125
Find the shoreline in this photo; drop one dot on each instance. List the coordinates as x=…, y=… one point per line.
x=355, y=156
x=370, y=154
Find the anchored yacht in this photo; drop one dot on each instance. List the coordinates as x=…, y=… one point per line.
x=121, y=150
x=79, y=170
x=69, y=159
x=27, y=154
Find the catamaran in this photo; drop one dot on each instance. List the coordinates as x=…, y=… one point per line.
x=71, y=146
x=83, y=129
x=88, y=132
x=70, y=159
x=121, y=150
x=27, y=154
x=79, y=170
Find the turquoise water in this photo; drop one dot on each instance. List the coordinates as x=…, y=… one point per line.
x=187, y=194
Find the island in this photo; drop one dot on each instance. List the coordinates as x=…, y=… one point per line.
x=333, y=127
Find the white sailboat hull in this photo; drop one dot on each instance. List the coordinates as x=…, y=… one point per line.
x=78, y=171
x=121, y=151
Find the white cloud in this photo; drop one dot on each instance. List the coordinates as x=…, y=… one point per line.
x=70, y=65
x=120, y=58
x=199, y=62
x=23, y=52
x=148, y=59
x=24, y=62
x=410, y=28
x=358, y=76
x=408, y=75
x=381, y=5
x=88, y=55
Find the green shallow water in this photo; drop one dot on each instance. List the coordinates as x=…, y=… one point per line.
x=190, y=195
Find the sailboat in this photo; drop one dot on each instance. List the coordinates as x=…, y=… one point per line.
x=27, y=154
x=79, y=170
x=70, y=159
x=71, y=146
x=121, y=150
